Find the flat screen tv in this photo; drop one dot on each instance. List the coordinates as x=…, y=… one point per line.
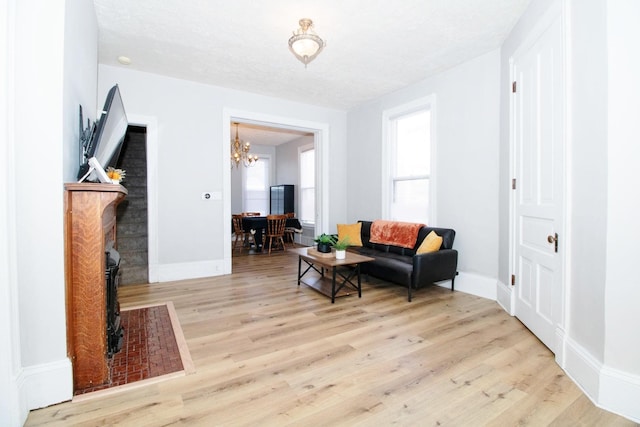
x=102, y=147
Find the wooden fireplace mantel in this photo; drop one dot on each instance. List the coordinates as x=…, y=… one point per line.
x=90, y=222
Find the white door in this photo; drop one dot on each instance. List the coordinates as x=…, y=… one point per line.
x=538, y=142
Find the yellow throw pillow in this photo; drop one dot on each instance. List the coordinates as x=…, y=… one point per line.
x=352, y=231
x=431, y=243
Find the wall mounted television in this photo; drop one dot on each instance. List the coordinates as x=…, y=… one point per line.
x=101, y=143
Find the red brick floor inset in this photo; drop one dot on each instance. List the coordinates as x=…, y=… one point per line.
x=149, y=348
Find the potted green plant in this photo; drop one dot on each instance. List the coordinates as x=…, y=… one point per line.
x=341, y=248
x=324, y=241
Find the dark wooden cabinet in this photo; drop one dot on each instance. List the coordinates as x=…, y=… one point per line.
x=282, y=199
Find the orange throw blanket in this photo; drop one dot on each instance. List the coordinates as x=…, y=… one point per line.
x=396, y=233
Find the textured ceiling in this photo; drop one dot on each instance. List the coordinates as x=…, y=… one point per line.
x=373, y=47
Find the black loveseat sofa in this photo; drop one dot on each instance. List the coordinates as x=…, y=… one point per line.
x=403, y=266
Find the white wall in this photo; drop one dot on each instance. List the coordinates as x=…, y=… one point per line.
x=588, y=174
x=467, y=135
x=623, y=233
x=193, y=157
x=287, y=171
x=80, y=79
x=51, y=52
x=601, y=344
x=621, y=382
x=287, y=166
x=13, y=408
x=38, y=149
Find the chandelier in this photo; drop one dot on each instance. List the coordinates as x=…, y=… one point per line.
x=240, y=152
x=305, y=43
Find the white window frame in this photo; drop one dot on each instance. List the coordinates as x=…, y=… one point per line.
x=388, y=153
x=261, y=157
x=302, y=149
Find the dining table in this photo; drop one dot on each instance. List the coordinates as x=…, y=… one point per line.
x=259, y=224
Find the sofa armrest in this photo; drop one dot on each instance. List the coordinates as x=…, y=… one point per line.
x=434, y=267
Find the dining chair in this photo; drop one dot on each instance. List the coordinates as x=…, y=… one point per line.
x=290, y=232
x=241, y=236
x=275, y=230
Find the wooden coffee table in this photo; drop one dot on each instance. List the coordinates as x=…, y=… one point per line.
x=318, y=262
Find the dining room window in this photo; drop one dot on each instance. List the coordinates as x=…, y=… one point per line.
x=409, y=173
x=256, y=186
x=307, y=187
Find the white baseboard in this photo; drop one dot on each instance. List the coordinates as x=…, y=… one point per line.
x=46, y=384
x=581, y=366
x=610, y=389
x=620, y=393
x=505, y=297
x=13, y=405
x=473, y=284
x=190, y=270
x=560, y=347
x=154, y=273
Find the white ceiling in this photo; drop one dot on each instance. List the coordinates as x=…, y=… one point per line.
x=264, y=135
x=373, y=47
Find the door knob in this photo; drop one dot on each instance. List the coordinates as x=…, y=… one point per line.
x=553, y=239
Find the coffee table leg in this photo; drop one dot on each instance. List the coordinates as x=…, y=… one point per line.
x=359, y=284
x=333, y=286
x=299, y=268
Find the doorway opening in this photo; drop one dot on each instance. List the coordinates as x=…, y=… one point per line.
x=320, y=133
x=132, y=213
x=275, y=183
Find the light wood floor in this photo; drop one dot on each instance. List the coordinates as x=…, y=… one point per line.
x=269, y=353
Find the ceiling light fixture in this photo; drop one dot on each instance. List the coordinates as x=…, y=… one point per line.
x=240, y=152
x=305, y=43
x=124, y=60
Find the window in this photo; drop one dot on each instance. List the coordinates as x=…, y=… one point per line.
x=256, y=186
x=408, y=173
x=307, y=200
